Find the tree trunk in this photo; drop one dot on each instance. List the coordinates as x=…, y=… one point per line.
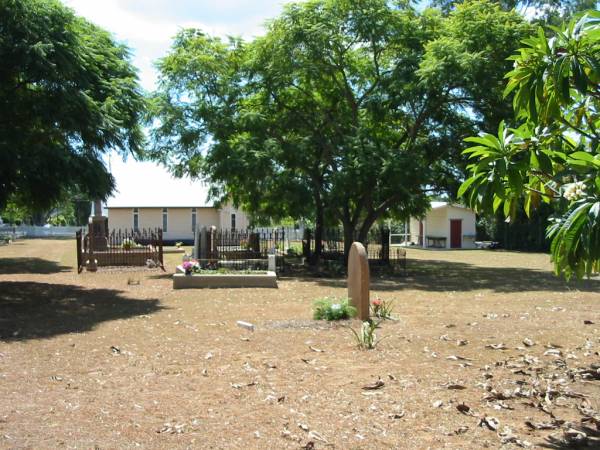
x=349, y=230
x=316, y=256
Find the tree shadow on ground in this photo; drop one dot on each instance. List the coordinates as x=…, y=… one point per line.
x=13, y=266
x=443, y=276
x=30, y=310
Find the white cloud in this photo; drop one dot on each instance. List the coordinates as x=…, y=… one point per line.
x=149, y=34
x=147, y=27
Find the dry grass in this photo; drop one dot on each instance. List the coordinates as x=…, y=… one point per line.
x=96, y=360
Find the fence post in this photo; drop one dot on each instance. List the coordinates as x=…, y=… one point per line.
x=91, y=265
x=78, y=246
x=160, y=248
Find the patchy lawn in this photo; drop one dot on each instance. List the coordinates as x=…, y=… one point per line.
x=98, y=360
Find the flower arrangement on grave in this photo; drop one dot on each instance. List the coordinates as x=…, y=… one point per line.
x=188, y=267
x=381, y=308
x=191, y=266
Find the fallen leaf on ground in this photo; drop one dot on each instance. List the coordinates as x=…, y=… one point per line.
x=458, y=358
x=541, y=425
x=315, y=349
x=377, y=385
x=464, y=409
x=528, y=342
x=490, y=422
x=575, y=436
x=500, y=346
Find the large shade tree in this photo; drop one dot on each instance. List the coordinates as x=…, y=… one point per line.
x=345, y=111
x=68, y=93
x=553, y=156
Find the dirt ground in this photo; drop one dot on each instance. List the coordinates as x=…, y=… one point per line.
x=97, y=360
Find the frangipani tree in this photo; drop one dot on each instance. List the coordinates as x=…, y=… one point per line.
x=554, y=155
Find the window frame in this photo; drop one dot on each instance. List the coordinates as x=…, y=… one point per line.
x=165, y=219
x=136, y=219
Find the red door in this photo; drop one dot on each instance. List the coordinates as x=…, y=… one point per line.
x=455, y=233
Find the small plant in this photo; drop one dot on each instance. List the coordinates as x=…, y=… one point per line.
x=382, y=309
x=178, y=244
x=365, y=337
x=333, y=309
x=128, y=244
x=293, y=252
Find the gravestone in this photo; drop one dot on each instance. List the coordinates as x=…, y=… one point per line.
x=358, y=280
x=196, y=250
x=272, y=263
x=203, y=253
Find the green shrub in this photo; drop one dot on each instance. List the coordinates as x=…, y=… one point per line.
x=333, y=309
x=128, y=244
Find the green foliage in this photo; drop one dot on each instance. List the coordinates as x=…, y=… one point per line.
x=344, y=112
x=366, y=339
x=333, y=309
x=129, y=244
x=58, y=220
x=553, y=156
x=68, y=94
x=549, y=10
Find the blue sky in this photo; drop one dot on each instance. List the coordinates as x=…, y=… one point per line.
x=147, y=27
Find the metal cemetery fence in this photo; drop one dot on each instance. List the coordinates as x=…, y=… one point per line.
x=239, y=248
x=377, y=245
x=120, y=247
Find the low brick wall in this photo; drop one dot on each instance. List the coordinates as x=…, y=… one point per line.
x=242, y=280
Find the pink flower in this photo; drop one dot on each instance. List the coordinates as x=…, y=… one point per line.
x=187, y=265
x=377, y=302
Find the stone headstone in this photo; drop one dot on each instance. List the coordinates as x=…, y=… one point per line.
x=272, y=263
x=358, y=280
x=203, y=253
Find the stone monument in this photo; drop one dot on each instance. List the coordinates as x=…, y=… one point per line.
x=98, y=228
x=358, y=280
